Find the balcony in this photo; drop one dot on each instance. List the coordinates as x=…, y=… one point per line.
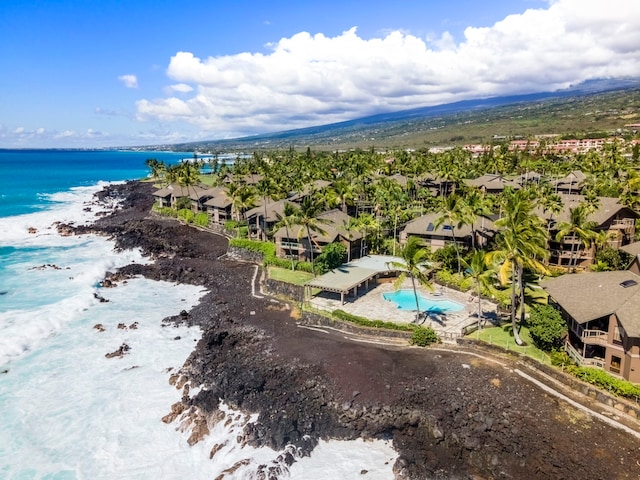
x=297, y=246
x=577, y=357
x=290, y=245
x=595, y=337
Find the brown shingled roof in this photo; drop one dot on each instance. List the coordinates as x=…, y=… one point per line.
x=588, y=296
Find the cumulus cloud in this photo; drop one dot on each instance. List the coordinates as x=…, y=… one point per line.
x=314, y=79
x=129, y=81
x=180, y=88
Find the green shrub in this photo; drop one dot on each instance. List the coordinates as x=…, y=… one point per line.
x=609, y=258
x=186, y=215
x=596, y=377
x=547, y=327
x=268, y=251
x=265, y=248
x=447, y=257
x=424, y=336
x=450, y=279
x=167, y=211
x=331, y=257
x=602, y=379
x=201, y=219
x=365, y=322
x=182, y=203
x=559, y=358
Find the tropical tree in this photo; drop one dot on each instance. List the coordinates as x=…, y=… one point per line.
x=476, y=204
x=287, y=220
x=307, y=218
x=413, y=263
x=520, y=244
x=266, y=189
x=157, y=167
x=550, y=202
x=371, y=228
x=344, y=194
x=243, y=199
x=578, y=228
x=478, y=274
x=454, y=214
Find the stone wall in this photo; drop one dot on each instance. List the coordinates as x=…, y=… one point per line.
x=278, y=288
x=245, y=255
x=315, y=319
x=622, y=404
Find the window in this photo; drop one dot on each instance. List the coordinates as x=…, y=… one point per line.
x=628, y=283
x=615, y=364
x=618, y=333
x=430, y=227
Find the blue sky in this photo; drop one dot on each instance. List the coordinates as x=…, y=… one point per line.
x=95, y=73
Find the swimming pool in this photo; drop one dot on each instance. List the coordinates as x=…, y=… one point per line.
x=406, y=300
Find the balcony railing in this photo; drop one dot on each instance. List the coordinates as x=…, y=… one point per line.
x=580, y=360
x=298, y=246
x=595, y=337
x=573, y=353
x=594, y=362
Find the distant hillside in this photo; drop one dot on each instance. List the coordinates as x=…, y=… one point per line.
x=596, y=106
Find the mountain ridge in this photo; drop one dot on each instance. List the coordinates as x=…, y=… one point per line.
x=386, y=129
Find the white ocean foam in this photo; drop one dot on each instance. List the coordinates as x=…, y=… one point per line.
x=69, y=412
x=77, y=206
x=52, y=287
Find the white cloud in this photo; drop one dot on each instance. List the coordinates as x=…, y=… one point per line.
x=313, y=79
x=129, y=81
x=180, y=88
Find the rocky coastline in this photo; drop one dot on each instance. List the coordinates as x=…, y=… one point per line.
x=450, y=413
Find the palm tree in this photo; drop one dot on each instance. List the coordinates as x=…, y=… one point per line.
x=476, y=205
x=550, y=202
x=287, y=220
x=480, y=274
x=520, y=242
x=243, y=199
x=414, y=258
x=453, y=214
x=266, y=188
x=187, y=174
x=369, y=225
x=157, y=167
x=578, y=226
x=308, y=220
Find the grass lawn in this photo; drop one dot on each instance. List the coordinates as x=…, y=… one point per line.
x=503, y=337
x=207, y=179
x=285, y=275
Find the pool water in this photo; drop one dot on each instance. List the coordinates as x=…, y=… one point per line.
x=407, y=301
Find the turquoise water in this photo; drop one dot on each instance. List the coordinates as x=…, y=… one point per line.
x=29, y=177
x=70, y=413
x=406, y=300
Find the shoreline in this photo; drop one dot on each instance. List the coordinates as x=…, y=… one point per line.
x=449, y=414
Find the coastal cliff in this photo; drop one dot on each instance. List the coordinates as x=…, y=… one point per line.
x=450, y=413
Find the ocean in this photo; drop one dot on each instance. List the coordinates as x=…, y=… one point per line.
x=68, y=411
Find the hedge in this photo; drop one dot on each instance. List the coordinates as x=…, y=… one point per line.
x=268, y=252
x=597, y=377
x=365, y=322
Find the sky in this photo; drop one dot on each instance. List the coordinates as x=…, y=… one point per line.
x=101, y=73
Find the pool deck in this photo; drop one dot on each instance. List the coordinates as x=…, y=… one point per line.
x=373, y=306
